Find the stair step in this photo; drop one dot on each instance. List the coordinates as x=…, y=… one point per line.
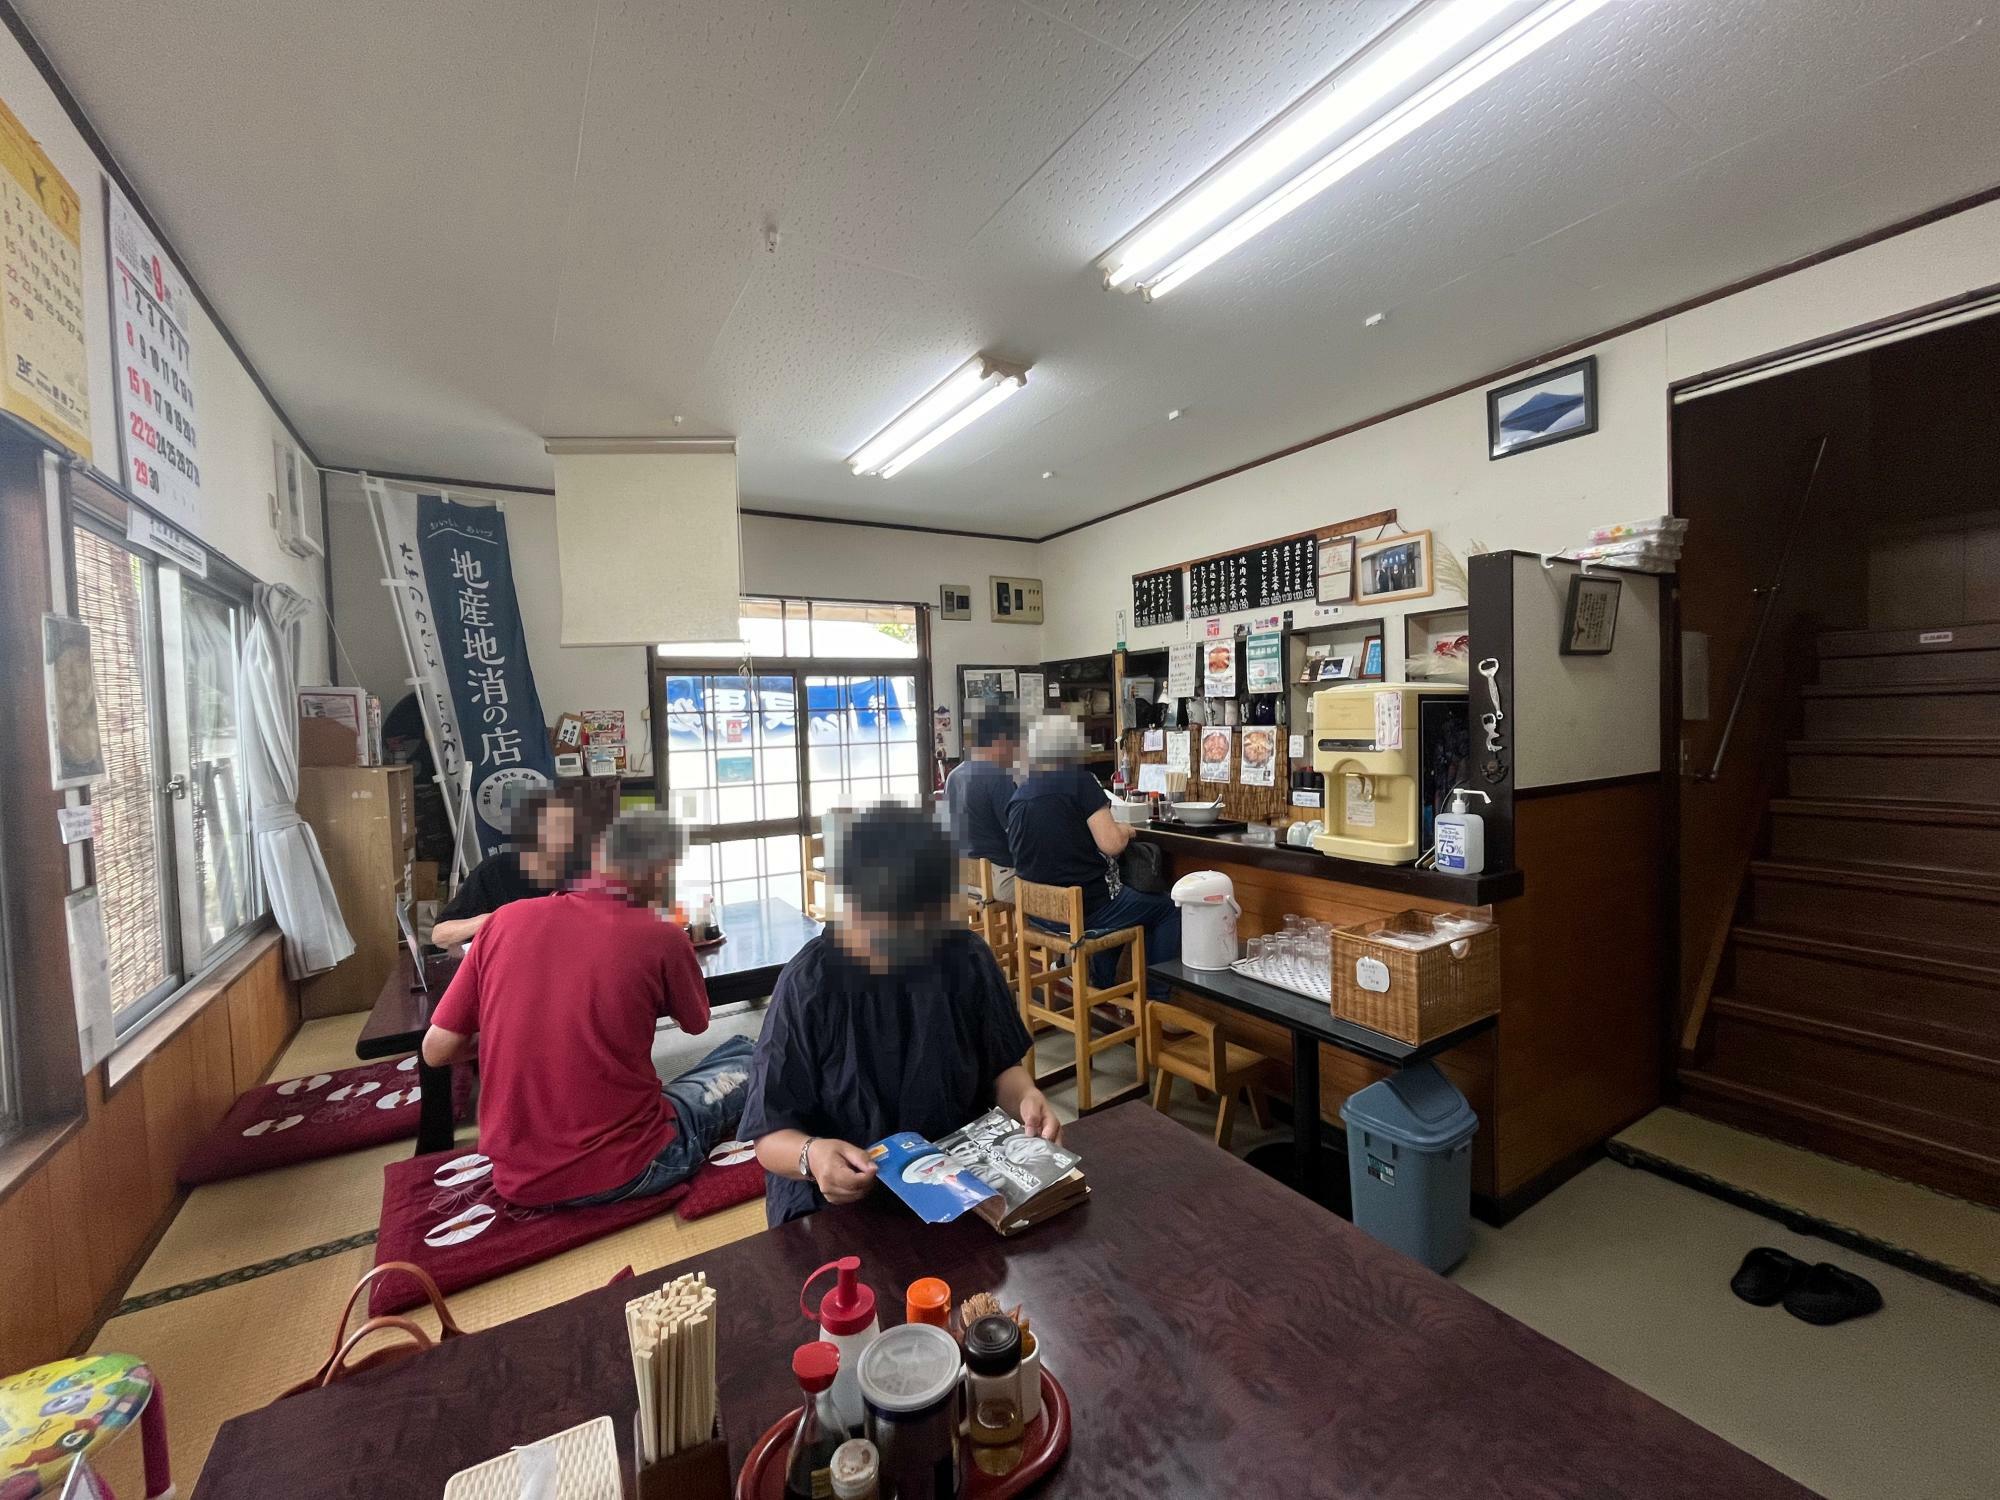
x=1911, y=640
x=1906, y=910
x=1951, y=1002
x=1895, y=769
x=1944, y=666
x=1898, y=835
x=1912, y=710
x=1857, y=1138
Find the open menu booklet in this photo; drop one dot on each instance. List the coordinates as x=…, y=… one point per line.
x=991, y=1167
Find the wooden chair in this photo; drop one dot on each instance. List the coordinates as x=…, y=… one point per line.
x=812, y=859
x=988, y=915
x=1207, y=1061
x=1054, y=967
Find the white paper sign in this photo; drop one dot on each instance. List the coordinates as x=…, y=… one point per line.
x=1031, y=688
x=151, y=312
x=1217, y=741
x=90, y=975
x=1360, y=802
x=1153, y=739
x=1153, y=778
x=150, y=532
x=1297, y=745
x=1305, y=799
x=1178, y=752
x=1180, y=670
x=1388, y=721
x=77, y=823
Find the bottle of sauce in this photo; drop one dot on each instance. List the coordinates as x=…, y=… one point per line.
x=846, y=1318
x=809, y=1469
x=993, y=1360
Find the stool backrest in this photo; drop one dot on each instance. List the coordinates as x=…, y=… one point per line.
x=1061, y=904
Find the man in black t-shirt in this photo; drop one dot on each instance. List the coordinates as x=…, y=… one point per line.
x=1062, y=832
x=544, y=857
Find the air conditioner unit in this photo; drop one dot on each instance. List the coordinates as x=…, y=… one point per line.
x=294, y=501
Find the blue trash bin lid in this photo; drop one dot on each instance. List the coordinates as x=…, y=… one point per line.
x=1415, y=1107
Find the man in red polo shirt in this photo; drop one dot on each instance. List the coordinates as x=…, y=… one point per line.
x=563, y=992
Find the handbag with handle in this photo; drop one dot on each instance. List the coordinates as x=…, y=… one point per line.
x=337, y=1366
x=1143, y=867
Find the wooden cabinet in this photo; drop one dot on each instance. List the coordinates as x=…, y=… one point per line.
x=365, y=820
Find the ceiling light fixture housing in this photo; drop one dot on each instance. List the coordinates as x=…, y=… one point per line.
x=952, y=405
x=1438, y=55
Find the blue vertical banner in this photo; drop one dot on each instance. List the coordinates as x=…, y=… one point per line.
x=470, y=576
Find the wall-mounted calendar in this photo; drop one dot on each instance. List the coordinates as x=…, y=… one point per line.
x=46, y=379
x=152, y=313
x=1158, y=598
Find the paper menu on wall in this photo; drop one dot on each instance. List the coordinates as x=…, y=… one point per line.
x=1180, y=670
x=1153, y=739
x=1218, y=669
x=1178, y=751
x=1217, y=741
x=1153, y=778
x=1260, y=756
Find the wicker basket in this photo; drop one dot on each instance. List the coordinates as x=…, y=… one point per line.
x=1430, y=990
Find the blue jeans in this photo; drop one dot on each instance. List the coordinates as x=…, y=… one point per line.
x=1130, y=908
x=708, y=1103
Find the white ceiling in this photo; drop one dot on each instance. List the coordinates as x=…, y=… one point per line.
x=442, y=228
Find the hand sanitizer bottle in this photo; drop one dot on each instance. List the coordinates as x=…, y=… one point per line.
x=1461, y=836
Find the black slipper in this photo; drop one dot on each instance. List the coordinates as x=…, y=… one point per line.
x=1828, y=1295
x=1766, y=1275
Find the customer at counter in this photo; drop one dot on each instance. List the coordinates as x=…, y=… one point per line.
x=895, y=1018
x=1062, y=832
x=976, y=794
x=546, y=854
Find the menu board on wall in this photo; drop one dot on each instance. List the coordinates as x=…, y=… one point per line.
x=152, y=310
x=1287, y=571
x=41, y=323
x=1220, y=585
x=1158, y=598
x=1180, y=670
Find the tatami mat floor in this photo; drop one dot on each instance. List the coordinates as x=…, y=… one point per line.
x=1629, y=1270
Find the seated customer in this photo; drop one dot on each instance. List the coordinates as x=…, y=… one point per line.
x=546, y=854
x=977, y=793
x=895, y=1018
x=1062, y=832
x=563, y=995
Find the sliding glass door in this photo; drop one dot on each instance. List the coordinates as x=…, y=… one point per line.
x=753, y=751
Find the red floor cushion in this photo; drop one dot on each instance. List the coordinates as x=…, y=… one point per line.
x=304, y=1119
x=732, y=1175
x=441, y=1212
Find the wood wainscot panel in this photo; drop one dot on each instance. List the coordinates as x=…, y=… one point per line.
x=261, y=1018
x=1581, y=955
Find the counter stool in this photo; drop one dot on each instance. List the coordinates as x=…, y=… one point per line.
x=1053, y=964
x=55, y=1413
x=1205, y=1060
x=988, y=915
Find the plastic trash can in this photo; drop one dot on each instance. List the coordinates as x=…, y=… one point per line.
x=1409, y=1164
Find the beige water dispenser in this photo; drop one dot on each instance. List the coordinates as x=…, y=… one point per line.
x=1367, y=742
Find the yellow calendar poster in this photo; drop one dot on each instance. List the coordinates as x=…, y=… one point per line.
x=45, y=380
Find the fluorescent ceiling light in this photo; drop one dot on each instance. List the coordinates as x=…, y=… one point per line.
x=959, y=400
x=1430, y=61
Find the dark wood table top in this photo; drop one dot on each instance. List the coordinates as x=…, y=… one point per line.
x=761, y=938
x=1305, y=1016
x=1218, y=1336
x=1405, y=880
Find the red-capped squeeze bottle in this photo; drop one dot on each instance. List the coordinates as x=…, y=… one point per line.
x=846, y=1318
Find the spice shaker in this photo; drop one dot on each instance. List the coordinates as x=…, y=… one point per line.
x=993, y=1358
x=856, y=1471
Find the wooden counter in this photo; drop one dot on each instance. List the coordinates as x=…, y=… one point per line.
x=1575, y=1056
x=1238, y=848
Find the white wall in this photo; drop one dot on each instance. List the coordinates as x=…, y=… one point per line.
x=236, y=424
x=1430, y=465
x=806, y=559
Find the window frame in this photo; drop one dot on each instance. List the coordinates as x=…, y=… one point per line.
x=90, y=503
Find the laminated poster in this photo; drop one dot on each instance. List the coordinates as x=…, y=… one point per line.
x=1218, y=669
x=1178, y=751
x=1215, y=747
x=1264, y=663
x=1260, y=755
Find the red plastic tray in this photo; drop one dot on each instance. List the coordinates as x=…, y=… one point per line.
x=1042, y=1448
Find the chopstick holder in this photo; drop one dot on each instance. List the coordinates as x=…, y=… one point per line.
x=700, y=1472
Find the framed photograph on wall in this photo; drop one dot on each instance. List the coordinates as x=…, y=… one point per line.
x=1336, y=571
x=1393, y=567
x=1590, y=619
x=1551, y=406
x=69, y=688
x=1371, y=659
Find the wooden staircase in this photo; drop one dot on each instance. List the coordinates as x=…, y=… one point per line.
x=1856, y=1010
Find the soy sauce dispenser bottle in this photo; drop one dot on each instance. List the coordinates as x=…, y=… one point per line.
x=809, y=1466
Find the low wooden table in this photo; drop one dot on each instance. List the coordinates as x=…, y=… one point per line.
x=1218, y=1335
x=761, y=937
x=1310, y=1023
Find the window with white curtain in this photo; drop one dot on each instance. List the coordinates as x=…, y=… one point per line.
x=173, y=857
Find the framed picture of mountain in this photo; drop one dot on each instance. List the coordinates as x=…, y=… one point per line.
x=1551, y=406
